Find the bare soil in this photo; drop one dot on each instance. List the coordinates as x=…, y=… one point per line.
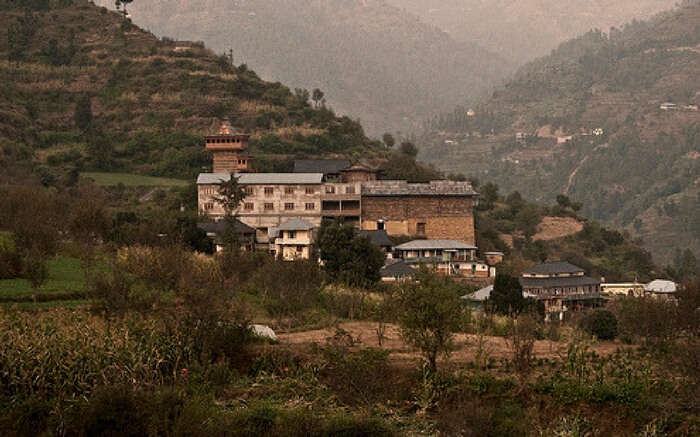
x=552, y=228
x=496, y=347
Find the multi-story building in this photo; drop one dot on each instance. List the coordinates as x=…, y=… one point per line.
x=447, y=257
x=271, y=199
x=293, y=240
x=561, y=286
x=439, y=210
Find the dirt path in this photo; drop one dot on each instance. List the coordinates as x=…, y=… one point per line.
x=573, y=175
x=496, y=347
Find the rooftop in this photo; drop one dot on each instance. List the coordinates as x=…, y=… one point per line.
x=569, y=281
x=220, y=226
x=403, y=188
x=295, y=225
x=398, y=269
x=378, y=237
x=262, y=178
x=553, y=268
x=226, y=130
x=661, y=286
x=325, y=166
x=434, y=244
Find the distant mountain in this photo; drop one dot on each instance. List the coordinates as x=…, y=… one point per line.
x=521, y=30
x=374, y=61
x=611, y=120
x=85, y=89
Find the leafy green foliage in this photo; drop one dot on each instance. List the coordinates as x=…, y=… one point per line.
x=601, y=323
x=507, y=295
x=348, y=258
x=429, y=313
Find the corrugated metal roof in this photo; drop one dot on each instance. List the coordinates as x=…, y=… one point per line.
x=479, y=295
x=434, y=244
x=324, y=166
x=403, y=188
x=295, y=225
x=661, y=286
x=212, y=178
x=279, y=178
x=552, y=268
x=262, y=178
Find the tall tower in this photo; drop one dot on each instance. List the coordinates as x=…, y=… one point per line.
x=230, y=150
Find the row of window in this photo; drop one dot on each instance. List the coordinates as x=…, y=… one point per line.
x=223, y=140
x=269, y=206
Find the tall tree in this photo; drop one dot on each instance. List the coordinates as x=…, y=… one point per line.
x=507, y=295
x=230, y=196
x=429, y=313
x=317, y=96
x=348, y=258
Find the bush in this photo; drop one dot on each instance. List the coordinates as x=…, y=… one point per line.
x=601, y=323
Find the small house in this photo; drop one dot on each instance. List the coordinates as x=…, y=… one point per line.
x=293, y=240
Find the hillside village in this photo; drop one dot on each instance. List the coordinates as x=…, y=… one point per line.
x=188, y=249
x=281, y=214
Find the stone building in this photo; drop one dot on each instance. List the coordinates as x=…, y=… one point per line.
x=561, y=286
x=439, y=210
x=229, y=150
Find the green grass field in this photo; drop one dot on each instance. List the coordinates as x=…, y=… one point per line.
x=65, y=278
x=131, y=180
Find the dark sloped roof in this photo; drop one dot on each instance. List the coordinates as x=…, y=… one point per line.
x=570, y=281
x=552, y=268
x=378, y=237
x=220, y=226
x=324, y=166
x=397, y=270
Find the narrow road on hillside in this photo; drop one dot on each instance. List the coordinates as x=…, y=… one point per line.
x=573, y=175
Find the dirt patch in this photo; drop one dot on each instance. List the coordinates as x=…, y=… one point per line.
x=551, y=228
x=497, y=347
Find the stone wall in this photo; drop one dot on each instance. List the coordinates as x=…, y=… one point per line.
x=442, y=217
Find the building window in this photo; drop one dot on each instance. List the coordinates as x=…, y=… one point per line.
x=269, y=206
x=310, y=190
x=249, y=191
x=420, y=228
x=330, y=189
x=249, y=206
x=209, y=206
x=288, y=206
x=288, y=190
x=291, y=235
x=269, y=191
x=300, y=249
x=310, y=206
x=380, y=225
x=350, y=190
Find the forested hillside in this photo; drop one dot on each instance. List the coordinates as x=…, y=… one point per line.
x=591, y=122
x=374, y=61
x=522, y=30
x=85, y=89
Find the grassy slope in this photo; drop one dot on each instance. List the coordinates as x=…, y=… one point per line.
x=132, y=180
x=151, y=102
x=65, y=277
x=642, y=174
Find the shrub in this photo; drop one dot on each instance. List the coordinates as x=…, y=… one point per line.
x=601, y=323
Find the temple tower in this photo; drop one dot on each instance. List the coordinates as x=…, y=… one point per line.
x=230, y=150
